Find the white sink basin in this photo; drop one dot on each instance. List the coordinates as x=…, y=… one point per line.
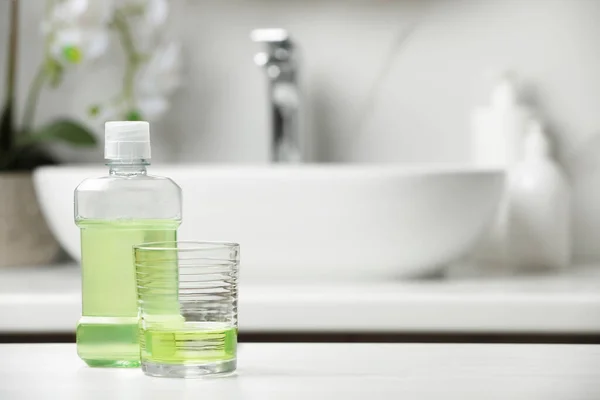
x=314, y=222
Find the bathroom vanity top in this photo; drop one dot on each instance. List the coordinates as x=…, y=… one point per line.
x=47, y=299
x=322, y=371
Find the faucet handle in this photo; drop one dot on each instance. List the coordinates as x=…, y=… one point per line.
x=279, y=46
x=270, y=35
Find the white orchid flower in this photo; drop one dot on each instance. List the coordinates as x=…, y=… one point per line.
x=155, y=12
x=78, y=29
x=84, y=13
x=159, y=78
x=156, y=81
x=74, y=45
x=146, y=108
x=153, y=108
x=162, y=73
x=156, y=65
x=147, y=19
x=65, y=12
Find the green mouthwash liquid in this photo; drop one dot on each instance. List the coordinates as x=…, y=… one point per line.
x=107, y=333
x=188, y=343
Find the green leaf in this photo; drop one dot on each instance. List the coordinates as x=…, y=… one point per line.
x=66, y=131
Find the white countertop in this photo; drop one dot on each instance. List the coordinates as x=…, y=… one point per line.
x=47, y=299
x=322, y=371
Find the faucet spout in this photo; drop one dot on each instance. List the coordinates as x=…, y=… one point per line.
x=278, y=59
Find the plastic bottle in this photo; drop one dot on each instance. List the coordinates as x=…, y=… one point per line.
x=497, y=130
x=539, y=208
x=115, y=212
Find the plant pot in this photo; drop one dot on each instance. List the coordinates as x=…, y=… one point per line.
x=24, y=236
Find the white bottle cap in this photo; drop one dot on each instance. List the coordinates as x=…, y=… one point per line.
x=127, y=140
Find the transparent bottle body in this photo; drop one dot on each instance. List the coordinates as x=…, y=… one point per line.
x=114, y=213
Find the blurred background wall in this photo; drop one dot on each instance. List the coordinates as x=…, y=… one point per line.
x=383, y=80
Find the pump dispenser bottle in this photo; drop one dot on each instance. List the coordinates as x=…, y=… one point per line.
x=498, y=129
x=114, y=213
x=539, y=208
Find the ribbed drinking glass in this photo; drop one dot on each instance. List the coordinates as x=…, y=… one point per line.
x=187, y=299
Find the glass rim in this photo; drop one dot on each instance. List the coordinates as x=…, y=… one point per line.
x=190, y=245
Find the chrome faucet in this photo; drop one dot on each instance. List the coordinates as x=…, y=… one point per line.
x=279, y=62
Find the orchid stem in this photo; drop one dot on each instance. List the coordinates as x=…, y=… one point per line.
x=32, y=98
x=133, y=58
x=38, y=83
